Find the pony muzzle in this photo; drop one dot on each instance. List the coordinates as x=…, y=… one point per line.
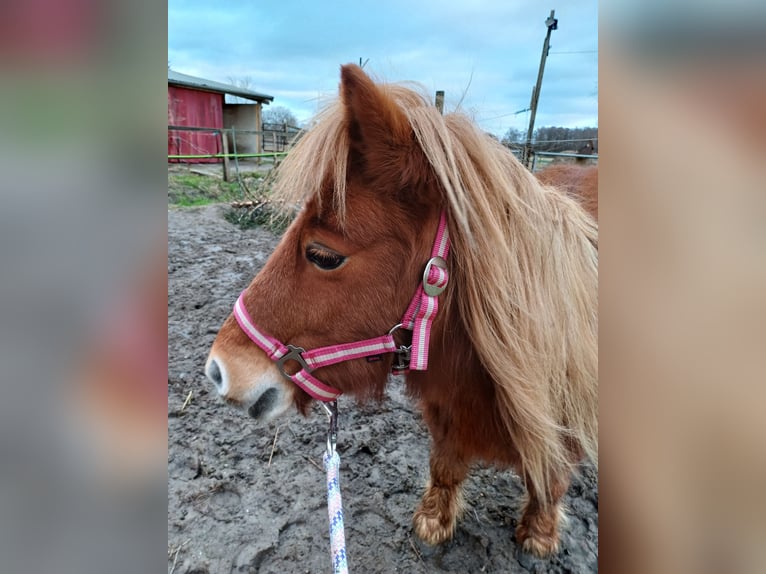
x=256, y=386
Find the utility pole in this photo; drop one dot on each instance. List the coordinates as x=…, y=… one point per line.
x=552, y=24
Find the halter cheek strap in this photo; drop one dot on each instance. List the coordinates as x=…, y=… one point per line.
x=425, y=303
x=417, y=318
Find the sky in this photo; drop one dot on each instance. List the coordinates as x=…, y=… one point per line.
x=484, y=54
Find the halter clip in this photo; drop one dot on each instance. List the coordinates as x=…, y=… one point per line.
x=332, y=430
x=401, y=355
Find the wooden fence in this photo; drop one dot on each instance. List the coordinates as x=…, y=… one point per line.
x=226, y=147
x=277, y=137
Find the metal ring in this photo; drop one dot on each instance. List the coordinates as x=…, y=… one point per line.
x=294, y=354
x=394, y=328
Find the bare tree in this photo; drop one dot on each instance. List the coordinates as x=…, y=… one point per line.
x=244, y=83
x=559, y=139
x=512, y=136
x=279, y=115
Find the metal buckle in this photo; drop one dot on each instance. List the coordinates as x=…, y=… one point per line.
x=429, y=288
x=294, y=354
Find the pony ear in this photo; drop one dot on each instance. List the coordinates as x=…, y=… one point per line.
x=376, y=125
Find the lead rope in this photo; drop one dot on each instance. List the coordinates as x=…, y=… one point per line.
x=334, y=502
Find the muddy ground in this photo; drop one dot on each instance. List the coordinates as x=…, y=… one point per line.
x=250, y=498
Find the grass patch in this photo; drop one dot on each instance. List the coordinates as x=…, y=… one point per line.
x=184, y=201
x=251, y=205
x=192, y=189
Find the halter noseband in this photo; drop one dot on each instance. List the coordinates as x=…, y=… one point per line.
x=417, y=318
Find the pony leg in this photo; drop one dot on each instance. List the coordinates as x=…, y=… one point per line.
x=442, y=503
x=538, y=530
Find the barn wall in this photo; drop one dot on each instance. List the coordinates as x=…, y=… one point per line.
x=194, y=108
x=243, y=117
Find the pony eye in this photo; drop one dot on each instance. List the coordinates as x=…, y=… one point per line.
x=323, y=258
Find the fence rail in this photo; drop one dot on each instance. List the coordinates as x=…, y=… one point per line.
x=268, y=143
x=275, y=142
x=550, y=155
x=554, y=154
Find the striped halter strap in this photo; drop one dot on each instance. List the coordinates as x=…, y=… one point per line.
x=417, y=318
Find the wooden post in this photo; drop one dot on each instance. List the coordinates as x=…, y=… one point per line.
x=259, y=129
x=225, y=149
x=440, y=101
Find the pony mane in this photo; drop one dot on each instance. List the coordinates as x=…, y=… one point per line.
x=525, y=272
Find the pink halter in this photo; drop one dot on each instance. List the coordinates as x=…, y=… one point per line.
x=417, y=318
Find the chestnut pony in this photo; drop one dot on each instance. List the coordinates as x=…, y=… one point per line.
x=579, y=181
x=512, y=372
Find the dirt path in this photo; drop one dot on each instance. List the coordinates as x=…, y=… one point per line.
x=248, y=498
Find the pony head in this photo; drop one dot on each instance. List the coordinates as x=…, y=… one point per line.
x=348, y=265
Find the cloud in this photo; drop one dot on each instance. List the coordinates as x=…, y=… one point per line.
x=484, y=54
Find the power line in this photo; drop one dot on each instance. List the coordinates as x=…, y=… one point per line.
x=504, y=115
x=562, y=141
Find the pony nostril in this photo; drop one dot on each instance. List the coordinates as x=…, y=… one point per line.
x=214, y=373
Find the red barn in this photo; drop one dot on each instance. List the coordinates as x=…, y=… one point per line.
x=199, y=103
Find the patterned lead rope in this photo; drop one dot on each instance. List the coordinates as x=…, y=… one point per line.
x=335, y=511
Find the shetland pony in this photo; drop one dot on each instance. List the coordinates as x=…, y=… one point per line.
x=586, y=149
x=579, y=181
x=512, y=373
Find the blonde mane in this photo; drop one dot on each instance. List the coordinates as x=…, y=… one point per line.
x=524, y=261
